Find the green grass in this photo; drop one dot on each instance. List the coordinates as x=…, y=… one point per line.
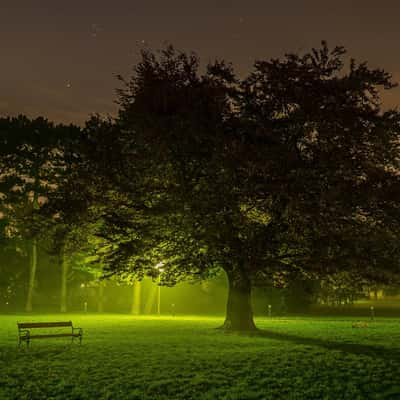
x=122, y=357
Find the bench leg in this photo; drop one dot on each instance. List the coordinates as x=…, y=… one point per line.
x=20, y=340
x=80, y=339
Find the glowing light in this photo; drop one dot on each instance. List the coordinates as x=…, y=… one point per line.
x=159, y=266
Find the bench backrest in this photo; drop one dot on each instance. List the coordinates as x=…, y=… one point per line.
x=28, y=325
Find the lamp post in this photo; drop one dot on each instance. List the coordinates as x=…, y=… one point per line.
x=160, y=270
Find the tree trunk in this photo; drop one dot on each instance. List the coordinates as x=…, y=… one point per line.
x=33, y=260
x=151, y=300
x=32, y=276
x=136, y=298
x=64, y=281
x=239, y=311
x=100, y=300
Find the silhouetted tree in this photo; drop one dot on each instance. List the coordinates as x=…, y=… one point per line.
x=291, y=171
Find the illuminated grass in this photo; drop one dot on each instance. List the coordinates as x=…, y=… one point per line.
x=185, y=358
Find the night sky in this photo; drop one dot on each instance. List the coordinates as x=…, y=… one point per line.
x=59, y=58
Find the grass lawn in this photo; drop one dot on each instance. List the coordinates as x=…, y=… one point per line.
x=124, y=357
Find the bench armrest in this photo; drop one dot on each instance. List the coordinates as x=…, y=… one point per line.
x=24, y=332
x=78, y=329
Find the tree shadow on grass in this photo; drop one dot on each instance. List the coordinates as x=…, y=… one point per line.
x=352, y=348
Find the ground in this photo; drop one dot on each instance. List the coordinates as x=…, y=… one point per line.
x=124, y=357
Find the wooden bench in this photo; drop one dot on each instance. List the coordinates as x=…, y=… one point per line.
x=24, y=331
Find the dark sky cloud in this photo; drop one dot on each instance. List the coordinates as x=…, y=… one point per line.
x=60, y=59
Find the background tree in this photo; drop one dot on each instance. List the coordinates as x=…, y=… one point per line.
x=32, y=161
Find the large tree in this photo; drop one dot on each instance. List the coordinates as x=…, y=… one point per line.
x=292, y=170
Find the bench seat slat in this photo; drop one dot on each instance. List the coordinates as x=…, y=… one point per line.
x=27, y=325
x=51, y=335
